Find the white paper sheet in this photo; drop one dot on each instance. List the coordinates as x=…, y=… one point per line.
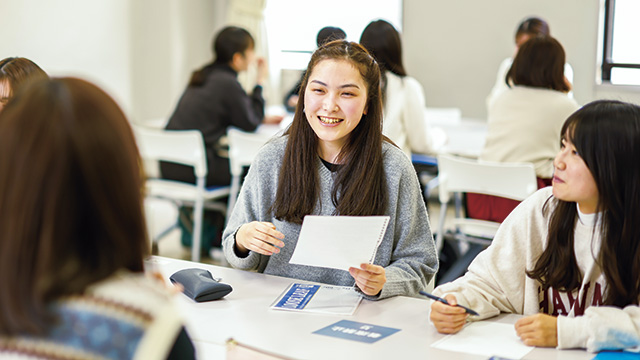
x=339, y=242
x=486, y=338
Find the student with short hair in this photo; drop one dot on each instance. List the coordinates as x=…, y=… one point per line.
x=567, y=257
x=334, y=160
x=214, y=100
x=15, y=72
x=73, y=234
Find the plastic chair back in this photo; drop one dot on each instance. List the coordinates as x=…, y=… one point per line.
x=180, y=146
x=243, y=148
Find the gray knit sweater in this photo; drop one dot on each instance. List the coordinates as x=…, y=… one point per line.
x=407, y=251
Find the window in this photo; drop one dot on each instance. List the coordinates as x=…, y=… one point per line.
x=292, y=27
x=621, y=53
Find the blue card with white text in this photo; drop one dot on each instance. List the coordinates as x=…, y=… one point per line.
x=355, y=331
x=297, y=297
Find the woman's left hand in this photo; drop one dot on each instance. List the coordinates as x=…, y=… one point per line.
x=538, y=330
x=369, y=278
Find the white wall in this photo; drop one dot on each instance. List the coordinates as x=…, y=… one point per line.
x=88, y=39
x=454, y=47
x=170, y=39
x=141, y=52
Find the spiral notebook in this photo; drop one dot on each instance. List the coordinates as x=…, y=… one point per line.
x=339, y=242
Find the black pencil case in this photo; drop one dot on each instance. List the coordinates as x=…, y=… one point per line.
x=199, y=285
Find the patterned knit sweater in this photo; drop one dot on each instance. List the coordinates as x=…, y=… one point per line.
x=127, y=316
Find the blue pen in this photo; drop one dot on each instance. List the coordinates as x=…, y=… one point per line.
x=433, y=297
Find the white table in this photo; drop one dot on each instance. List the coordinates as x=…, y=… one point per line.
x=246, y=316
x=465, y=138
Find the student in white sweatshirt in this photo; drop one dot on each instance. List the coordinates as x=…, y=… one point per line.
x=568, y=257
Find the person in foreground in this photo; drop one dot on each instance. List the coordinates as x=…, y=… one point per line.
x=568, y=256
x=73, y=235
x=334, y=160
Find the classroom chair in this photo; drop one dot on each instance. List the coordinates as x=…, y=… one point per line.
x=243, y=148
x=459, y=175
x=183, y=147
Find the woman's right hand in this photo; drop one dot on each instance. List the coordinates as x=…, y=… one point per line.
x=261, y=237
x=448, y=319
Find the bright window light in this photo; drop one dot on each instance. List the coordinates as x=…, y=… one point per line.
x=626, y=28
x=292, y=26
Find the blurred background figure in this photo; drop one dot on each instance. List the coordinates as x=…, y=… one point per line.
x=73, y=234
x=326, y=34
x=15, y=72
x=404, y=120
x=528, y=28
x=524, y=121
x=215, y=100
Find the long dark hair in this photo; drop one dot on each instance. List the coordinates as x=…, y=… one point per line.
x=606, y=134
x=382, y=41
x=70, y=198
x=230, y=40
x=539, y=63
x=360, y=180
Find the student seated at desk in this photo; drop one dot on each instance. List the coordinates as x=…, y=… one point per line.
x=567, y=257
x=524, y=122
x=73, y=235
x=215, y=100
x=334, y=160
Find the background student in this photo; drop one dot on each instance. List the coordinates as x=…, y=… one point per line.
x=14, y=72
x=215, y=100
x=567, y=257
x=404, y=120
x=73, y=235
x=334, y=160
x=326, y=34
x=524, y=121
x=527, y=29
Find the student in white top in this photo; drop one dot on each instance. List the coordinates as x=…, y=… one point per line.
x=567, y=257
x=528, y=28
x=404, y=120
x=525, y=120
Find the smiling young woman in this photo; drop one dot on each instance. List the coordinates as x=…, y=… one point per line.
x=334, y=160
